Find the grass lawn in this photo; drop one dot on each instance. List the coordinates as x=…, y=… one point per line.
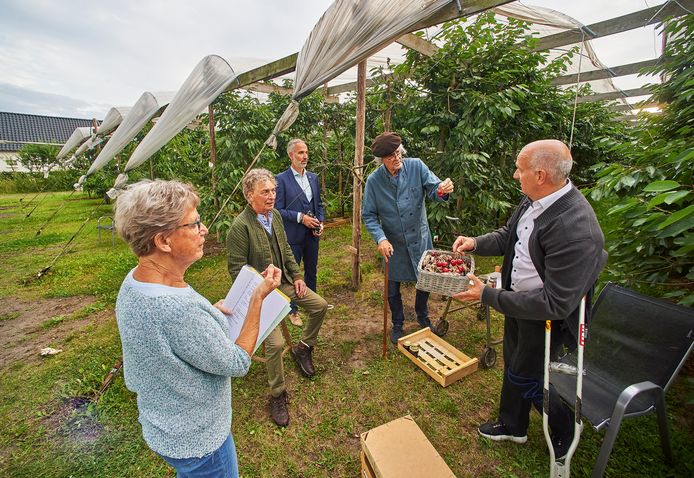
x=48, y=428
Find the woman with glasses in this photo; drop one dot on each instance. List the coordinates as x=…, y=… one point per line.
x=177, y=354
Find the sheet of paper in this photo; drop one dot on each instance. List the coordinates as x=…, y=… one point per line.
x=275, y=306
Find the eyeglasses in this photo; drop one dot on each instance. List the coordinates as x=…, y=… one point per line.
x=395, y=154
x=197, y=225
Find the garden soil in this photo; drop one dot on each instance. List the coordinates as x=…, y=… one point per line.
x=22, y=335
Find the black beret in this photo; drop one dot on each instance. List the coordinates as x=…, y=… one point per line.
x=385, y=144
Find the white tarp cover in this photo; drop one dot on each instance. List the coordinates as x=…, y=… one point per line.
x=207, y=81
x=348, y=32
x=76, y=138
x=546, y=21
x=352, y=30
x=91, y=143
x=142, y=111
x=112, y=119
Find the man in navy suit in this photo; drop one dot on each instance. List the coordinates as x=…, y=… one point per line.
x=299, y=202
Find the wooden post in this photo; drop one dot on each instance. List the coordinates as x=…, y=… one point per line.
x=213, y=162
x=213, y=156
x=388, y=113
x=385, y=306
x=325, y=150
x=358, y=172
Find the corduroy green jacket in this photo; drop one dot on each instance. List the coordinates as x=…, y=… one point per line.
x=247, y=243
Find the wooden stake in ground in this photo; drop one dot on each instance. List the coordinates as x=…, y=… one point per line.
x=385, y=306
x=358, y=163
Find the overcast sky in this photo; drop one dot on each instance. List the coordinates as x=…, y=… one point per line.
x=79, y=58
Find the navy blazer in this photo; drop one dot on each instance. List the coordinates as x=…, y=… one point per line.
x=291, y=200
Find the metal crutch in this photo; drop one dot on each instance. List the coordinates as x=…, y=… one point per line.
x=562, y=468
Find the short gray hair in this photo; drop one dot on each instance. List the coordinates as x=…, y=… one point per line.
x=556, y=163
x=253, y=177
x=292, y=143
x=403, y=152
x=147, y=208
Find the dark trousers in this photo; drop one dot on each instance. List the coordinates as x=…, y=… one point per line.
x=421, y=306
x=523, y=373
x=308, y=252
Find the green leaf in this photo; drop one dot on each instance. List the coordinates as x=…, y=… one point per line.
x=678, y=227
x=628, y=180
x=678, y=216
x=675, y=196
x=682, y=251
x=623, y=207
x=659, y=199
x=658, y=186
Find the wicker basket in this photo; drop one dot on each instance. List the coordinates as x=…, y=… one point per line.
x=446, y=284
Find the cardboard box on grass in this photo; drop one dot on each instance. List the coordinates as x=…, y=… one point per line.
x=400, y=449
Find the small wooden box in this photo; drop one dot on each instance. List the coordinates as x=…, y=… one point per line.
x=443, y=362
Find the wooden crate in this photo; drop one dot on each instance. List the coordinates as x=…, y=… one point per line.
x=443, y=362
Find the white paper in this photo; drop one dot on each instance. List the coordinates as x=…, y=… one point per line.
x=275, y=306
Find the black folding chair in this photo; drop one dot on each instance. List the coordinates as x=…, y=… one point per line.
x=636, y=346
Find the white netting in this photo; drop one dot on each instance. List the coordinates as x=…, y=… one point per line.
x=348, y=32
x=142, y=111
x=351, y=31
x=76, y=138
x=91, y=143
x=112, y=119
x=207, y=81
x=286, y=120
x=118, y=186
x=549, y=22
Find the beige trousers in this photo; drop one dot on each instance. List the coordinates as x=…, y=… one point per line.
x=316, y=307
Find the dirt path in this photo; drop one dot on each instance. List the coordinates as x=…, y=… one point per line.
x=24, y=331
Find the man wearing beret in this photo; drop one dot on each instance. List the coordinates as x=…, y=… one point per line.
x=394, y=213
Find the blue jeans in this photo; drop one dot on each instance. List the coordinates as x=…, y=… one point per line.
x=221, y=463
x=421, y=306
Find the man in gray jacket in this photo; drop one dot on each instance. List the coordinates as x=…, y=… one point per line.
x=553, y=254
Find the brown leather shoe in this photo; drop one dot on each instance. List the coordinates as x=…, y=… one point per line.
x=278, y=409
x=302, y=356
x=295, y=319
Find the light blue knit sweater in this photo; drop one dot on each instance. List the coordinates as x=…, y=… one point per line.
x=177, y=358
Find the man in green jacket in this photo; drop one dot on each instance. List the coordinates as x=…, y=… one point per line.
x=257, y=238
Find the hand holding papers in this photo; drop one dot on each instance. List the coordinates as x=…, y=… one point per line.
x=275, y=305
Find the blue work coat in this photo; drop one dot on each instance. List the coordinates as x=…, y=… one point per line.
x=393, y=209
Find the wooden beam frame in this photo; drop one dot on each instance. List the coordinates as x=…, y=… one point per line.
x=634, y=106
x=266, y=72
x=622, y=70
x=608, y=27
x=268, y=88
x=624, y=23
x=613, y=95
x=417, y=43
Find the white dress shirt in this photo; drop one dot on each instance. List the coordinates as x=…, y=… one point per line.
x=524, y=276
x=302, y=181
